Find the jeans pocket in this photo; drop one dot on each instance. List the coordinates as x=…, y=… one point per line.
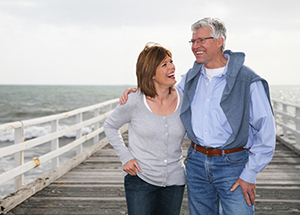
x=190, y=152
x=238, y=157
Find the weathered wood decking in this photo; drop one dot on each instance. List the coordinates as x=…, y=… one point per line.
x=96, y=187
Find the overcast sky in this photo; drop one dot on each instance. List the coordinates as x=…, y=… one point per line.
x=96, y=42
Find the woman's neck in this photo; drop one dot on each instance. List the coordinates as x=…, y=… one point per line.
x=162, y=95
x=164, y=103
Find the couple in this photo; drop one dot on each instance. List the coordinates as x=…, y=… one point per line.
x=224, y=109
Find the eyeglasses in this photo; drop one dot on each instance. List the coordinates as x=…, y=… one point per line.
x=200, y=40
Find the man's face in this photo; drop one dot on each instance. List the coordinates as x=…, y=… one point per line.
x=206, y=51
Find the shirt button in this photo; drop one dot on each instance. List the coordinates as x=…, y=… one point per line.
x=205, y=132
x=208, y=100
x=164, y=117
x=166, y=134
x=165, y=161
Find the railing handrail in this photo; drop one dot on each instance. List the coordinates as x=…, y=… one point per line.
x=287, y=118
x=21, y=145
x=19, y=124
x=48, y=137
x=287, y=103
x=281, y=116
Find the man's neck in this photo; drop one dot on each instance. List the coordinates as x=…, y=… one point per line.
x=219, y=62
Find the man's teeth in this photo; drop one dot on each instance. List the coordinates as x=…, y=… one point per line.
x=200, y=52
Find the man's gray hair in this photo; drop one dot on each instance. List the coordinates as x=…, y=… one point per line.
x=217, y=27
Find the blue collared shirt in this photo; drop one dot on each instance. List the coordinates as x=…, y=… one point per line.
x=212, y=129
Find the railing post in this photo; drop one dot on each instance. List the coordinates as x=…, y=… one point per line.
x=284, y=118
x=54, y=143
x=96, y=125
x=297, y=122
x=79, y=133
x=19, y=157
x=275, y=108
x=53, y=138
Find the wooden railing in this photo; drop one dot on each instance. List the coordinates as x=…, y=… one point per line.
x=287, y=121
x=20, y=145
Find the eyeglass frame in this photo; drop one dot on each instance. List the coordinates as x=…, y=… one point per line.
x=200, y=40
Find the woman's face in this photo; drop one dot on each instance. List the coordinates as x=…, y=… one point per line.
x=165, y=73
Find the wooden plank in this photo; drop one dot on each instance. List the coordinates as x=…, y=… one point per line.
x=96, y=187
x=11, y=201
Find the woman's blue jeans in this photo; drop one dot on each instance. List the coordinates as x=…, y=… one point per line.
x=146, y=199
x=209, y=180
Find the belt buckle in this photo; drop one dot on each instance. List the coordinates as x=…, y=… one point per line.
x=208, y=152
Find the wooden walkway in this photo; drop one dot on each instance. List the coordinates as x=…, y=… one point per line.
x=96, y=187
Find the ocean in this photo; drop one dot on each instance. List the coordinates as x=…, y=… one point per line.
x=22, y=102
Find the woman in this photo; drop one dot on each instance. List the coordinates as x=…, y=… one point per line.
x=152, y=163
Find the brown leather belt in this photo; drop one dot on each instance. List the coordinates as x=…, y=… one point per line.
x=210, y=152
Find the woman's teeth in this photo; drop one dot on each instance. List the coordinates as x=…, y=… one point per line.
x=171, y=75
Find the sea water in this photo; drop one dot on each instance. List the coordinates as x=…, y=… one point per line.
x=20, y=102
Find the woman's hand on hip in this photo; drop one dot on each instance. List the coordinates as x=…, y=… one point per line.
x=131, y=166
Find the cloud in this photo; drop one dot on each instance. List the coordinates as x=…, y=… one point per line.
x=97, y=42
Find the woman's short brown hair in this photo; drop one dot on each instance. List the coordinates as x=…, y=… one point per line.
x=147, y=63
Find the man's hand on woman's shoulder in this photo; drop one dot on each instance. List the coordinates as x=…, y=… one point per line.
x=124, y=97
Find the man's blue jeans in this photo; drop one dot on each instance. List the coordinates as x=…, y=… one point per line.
x=146, y=199
x=209, y=180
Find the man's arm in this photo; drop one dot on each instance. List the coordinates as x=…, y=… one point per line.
x=180, y=85
x=262, y=139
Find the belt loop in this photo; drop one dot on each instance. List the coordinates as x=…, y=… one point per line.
x=223, y=153
x=195, y=147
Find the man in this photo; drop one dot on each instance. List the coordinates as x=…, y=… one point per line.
x=228, y=117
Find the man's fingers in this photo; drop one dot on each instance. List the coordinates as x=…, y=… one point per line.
x=233, y=188
x=247, y=198
x=124, y=97
x=252, y=195
x=248, y=190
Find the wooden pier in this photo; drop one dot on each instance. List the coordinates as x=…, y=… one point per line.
x=96, y=187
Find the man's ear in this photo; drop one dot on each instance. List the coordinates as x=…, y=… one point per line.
x=220, y=42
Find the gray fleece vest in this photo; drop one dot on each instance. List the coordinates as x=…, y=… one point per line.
x=235, y=100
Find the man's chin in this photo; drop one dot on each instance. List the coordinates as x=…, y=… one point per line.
x=199, y=61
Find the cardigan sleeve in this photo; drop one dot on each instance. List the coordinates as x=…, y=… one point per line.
x=120, y=116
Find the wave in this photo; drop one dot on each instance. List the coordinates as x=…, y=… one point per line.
x=10, y=115
x=38, y=131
